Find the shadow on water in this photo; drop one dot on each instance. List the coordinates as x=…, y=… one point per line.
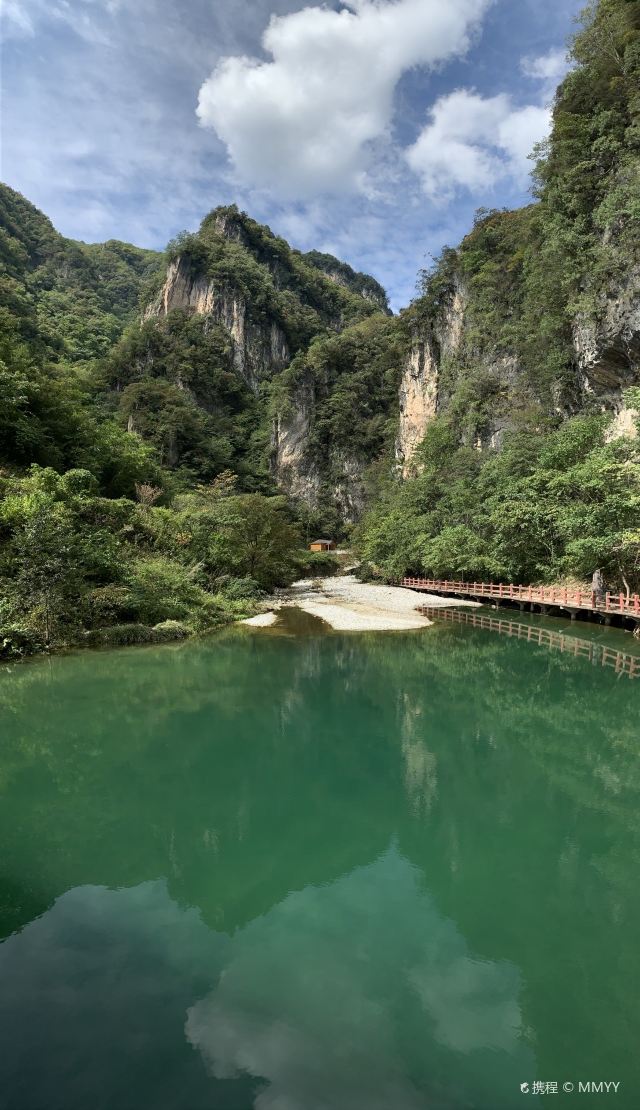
x=298, y=869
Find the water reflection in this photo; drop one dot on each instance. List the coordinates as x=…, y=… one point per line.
x=93, y=1000
x=420, y=764
x=361, y=996
x=271, y=871
x=598, y=654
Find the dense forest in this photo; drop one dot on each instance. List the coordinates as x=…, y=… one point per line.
x=173, y=427
x=523, y=475
x=137, y=498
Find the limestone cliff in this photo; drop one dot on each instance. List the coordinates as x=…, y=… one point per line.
x=418, y=398
x=446, y=362
x=291, y=466
x=260, y=349
x=607, y=342
x=318, y=478
x=420, y=387
x=607, y=346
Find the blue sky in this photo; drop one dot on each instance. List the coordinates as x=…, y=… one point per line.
x=372, y=129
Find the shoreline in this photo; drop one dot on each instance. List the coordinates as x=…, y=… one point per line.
x=348, y=605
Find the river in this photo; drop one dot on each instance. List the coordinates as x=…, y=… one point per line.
x=299, y=870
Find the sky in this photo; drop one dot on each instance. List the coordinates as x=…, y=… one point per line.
x=371, y=129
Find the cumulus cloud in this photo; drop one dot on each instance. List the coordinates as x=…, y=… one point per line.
x=471, y=142
x=305, y=121
x=547, y=67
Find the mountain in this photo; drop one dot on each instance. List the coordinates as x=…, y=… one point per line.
x=172, y=423
x=70, y=300
x=519, y=398
x=148, y=405
x=255, y=357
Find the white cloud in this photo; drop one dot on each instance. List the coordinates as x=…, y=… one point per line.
x=305, y=121
x=547, y=67
x=473, y=141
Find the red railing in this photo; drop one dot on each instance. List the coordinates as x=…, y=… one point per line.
x=597, y=654
x=561, y=596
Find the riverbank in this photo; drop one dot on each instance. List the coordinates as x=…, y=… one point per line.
x=347, y=605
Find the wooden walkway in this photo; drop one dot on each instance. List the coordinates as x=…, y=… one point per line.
x=558, y=597
x=597, y=654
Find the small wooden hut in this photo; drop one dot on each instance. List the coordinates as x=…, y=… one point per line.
x=322, y=545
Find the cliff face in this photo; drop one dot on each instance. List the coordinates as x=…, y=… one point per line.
x=607, y=350
x=335, y=412
x=451, y=368
x=319, y=477
x=607, y=362
x=236, y=298
x=260, y=350
x=419, y=395
x=418, y=398
x=294, y=471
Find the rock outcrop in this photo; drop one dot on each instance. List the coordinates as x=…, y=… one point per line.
x=607, y=344
x=291, y=465
x=419, y=393
x=418, y=398
x=336, y=477
x=260, y=350
x=606, y=362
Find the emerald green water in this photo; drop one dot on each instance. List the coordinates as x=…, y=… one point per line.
x=318, y=872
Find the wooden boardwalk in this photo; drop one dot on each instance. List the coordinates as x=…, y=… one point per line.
x=597, y=654
x=558, y=597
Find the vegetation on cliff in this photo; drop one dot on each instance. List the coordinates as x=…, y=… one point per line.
x=516, y=478
x=135, y=499
x=550, y=505
x=138, y=490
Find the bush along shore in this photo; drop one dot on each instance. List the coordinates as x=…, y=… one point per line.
x=79, y=568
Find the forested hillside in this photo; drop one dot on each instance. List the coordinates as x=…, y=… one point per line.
x=519, y=399
x=173, y=426
x=139, y=492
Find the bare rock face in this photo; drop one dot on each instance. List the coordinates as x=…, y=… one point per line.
x=348, y=492
x=419, y=386
x=418, y=399
x=625, y=425
x=607, y=359
x=297, y=471
x=608, y=347
x=290, y=464
x=450, y=332
x=259, y=350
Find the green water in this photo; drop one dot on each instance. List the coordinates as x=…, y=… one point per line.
x=318, y=872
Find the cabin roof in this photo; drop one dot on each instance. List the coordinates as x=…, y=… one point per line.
x=321, y=541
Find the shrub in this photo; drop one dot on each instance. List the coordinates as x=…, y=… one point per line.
x=240, y=589
x=318, y=564
x=120, y=635
x=170, y=630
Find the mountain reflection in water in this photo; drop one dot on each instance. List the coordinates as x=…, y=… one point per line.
x=319, y=870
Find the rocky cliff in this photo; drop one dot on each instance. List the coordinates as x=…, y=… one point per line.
x=484, y=380
x=260, y=347
x=295, y=471
x=420, y=394
x=236, y=283
x=607, y=347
